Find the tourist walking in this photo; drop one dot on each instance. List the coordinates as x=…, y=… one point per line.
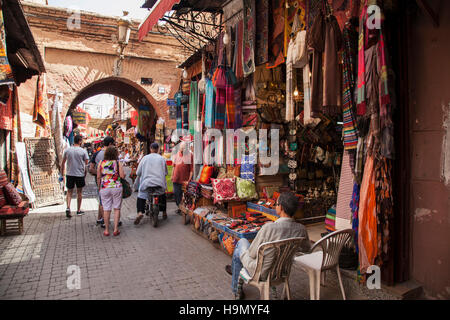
x=76, y=159
x=182, y=172
x=109, y=175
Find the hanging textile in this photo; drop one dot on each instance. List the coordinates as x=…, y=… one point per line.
x=56, y=125
x=209, y=105
x=145, y=121
x=262, y=32
x=178, y=97
x=354, y=206
x=238, y=49
x=249, y=38
x=40, y=109
x=349, y=123
x=238, y=107
x=367, y=217
x=193, y=106
x=385, y=205
x=295, y=15
x=316, y=43
x=15, y=136
x=6, y=74
x=185, y=116
x=276, y=37
x=6, y=108
x=220, y=83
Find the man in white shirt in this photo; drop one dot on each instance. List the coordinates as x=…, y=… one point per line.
x=151, y=172
x=245, y=254
x=76, y=159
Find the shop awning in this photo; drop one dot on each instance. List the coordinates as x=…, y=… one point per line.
x=100, y=124
x=158, y=10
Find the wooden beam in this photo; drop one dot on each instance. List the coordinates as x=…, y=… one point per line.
x=423, y=4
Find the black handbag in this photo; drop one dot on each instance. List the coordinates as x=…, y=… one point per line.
x=126, y=188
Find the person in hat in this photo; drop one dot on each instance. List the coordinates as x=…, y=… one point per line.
x=151, y=172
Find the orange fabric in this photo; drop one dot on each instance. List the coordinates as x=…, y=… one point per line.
x=205, y=177
x=367, y=216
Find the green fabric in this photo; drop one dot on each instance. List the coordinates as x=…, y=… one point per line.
x=193, y=106
x=246, y=189
x=169, y=179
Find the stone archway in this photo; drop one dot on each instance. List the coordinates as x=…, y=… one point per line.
x=123, y=88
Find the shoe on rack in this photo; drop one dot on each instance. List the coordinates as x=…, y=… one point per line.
x=228, y=269
x=68, y=215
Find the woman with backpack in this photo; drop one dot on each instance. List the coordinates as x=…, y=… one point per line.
x=109, y=175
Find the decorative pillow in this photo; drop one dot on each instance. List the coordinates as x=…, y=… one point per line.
x=248, y=167
x=224, y=189
x=2, y=198
x=3, y=178
x=233, y=172
x=246, y=189
x=205, y=176
x=11, y=195
x=222, y=173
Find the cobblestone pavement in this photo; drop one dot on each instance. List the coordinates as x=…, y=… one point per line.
x=168, y=262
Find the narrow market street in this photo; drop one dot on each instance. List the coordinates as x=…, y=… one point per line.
x=169, y=262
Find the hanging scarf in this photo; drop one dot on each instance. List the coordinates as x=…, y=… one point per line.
x=238, y=107
x=350, y=129
x=40, y=110
x=209, y=105
x=367, y=218
x=361, y=82
x=276, y=38
x=248, y=52
x=178, y=97
x=6, y=74
x=262, y=32
x=239, y=47
x=193, y=106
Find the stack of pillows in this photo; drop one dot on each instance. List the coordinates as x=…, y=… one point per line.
x=8, y=194
x=232, y=183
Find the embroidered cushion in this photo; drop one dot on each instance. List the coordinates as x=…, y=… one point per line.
x=2, y=198
x=3, y=178
x=224, y=189
x=246, y=189
x=205, y=176
x=11, y=195
x=248, y=167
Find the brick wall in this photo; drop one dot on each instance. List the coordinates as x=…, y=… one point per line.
x=76, y=57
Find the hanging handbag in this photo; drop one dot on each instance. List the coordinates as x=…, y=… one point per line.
x=126, y=188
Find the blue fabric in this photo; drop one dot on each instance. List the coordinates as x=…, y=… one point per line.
x=248, y=167
x=178, y=97
x=210, y=105
x=236, y=264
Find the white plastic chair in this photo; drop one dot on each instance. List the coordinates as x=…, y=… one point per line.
x=280, y=269
x=316, y=263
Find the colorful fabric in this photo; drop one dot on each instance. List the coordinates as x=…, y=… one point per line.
x=110, y=174
x=367, y=217
x=40, y=109
x=384, y=207
x=350, y=130
x=193, y=106
x=294, y=14
x=224, y=189
x=230, y=107
x=249, y=37
x=276, y=34
x=220, y=108
x=6, y=74
x=237, y=107
x=330, y=219
x=262, y=32
x=246, y=189
x=205, y=175
x=6, y=110
x=3, y=178
x=185, y=116
x=178, y=97
x=354, y=206
x=12, y=196
x=361, y=81
x=210, y=105
x=21, y=209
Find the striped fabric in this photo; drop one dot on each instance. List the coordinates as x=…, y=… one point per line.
x=2, y=198
x=220, y=108
x=330, y=219
x=231, y=107
x=3, y=178
x=238, y=107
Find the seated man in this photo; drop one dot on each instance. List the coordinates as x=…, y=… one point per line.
x=151, y=172
x=285, y=227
